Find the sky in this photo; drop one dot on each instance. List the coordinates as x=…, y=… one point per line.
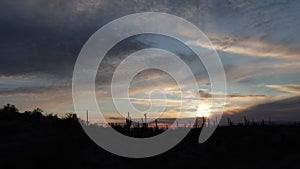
x=257, y=41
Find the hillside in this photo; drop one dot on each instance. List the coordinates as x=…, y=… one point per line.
x=33, y=140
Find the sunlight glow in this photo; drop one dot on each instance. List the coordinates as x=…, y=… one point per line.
x=203, y=110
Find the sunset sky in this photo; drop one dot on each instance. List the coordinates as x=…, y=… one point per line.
x=257, y=41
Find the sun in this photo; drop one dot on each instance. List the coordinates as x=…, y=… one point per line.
x=203, y=110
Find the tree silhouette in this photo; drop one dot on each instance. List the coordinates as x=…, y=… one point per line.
x=9, y=108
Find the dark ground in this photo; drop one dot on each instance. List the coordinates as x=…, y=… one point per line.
x=31, y=140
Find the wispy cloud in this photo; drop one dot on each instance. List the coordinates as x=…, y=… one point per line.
x=205, y=94
x=250, y=47
x=289, y=88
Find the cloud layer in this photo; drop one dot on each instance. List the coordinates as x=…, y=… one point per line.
x=258, y=43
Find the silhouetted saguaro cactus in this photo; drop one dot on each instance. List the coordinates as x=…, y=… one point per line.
x=145, y=124
x=229, y=122
x=128, y=122
x=246, y=121
x=203, y=121
x=156, y=125
x=263, y=122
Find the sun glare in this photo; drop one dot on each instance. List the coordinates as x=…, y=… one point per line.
x=203, y=110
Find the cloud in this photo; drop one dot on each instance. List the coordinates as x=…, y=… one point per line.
x=261, y=68
x=40, y=41
x=285, y=109
x=29, y=90
x=46, y=36
x=235, y=102
x=289, y=88
x=205, y=94
x=250, y=47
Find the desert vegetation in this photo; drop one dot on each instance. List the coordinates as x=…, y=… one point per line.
x=33, y=139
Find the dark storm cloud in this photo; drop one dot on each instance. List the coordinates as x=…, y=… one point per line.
x=28, y=45
x=46, y=36
x=280, y=110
